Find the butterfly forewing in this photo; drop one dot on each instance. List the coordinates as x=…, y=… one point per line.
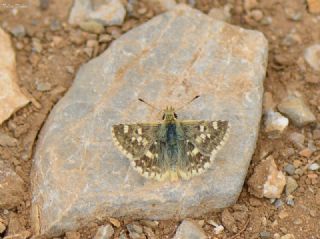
x=134, y=139
x=207, y=136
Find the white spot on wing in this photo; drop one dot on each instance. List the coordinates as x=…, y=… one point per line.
x=201, y=128
x=215, y=125
x=149, y=154
x=125, y=129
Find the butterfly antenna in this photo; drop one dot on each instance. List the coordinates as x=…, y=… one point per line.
x=194, y=98
x=150, y=105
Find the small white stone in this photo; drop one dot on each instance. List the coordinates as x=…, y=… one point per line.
x=275, y=122
x=104, y=232
x=314, y=167
x=312, y=56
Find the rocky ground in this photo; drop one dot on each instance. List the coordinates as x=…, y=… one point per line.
x=281, y=196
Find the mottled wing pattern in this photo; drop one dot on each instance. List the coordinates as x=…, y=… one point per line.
x=134, y=139
x=204, y=140
x=139, y=143
x=151, y=155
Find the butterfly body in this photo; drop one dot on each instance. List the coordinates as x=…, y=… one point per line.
x=172, y=148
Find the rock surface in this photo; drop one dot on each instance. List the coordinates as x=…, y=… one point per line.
x=189, y=230
x=267, y=181
x=11, y=98
x=12, y=187
x=108, y=12
x=78, y=174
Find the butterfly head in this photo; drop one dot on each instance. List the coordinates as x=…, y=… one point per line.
x=169, y=114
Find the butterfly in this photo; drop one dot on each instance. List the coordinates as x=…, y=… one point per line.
x=171, y=148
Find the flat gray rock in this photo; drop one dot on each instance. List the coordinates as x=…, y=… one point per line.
x=78, y=173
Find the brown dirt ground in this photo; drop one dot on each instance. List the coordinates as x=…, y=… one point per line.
x=288, y=73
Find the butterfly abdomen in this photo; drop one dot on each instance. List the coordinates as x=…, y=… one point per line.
x=171, y=134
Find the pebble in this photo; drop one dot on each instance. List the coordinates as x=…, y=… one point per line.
x=288, y=236
x=55, y=25
x=297, y=139
x=255, y=202
x=77, y=38
x=287, y=152
x=267, y=181
x=306, y=152
x=297, y=221
x=221, y=14
x=296, y=110
x=228, y=221
x=278, y=203
x=88, y=51
x=276, y=236
x=92, y=43
x=268, y=102
x=314, y=167
x=290, y=201
x=123, y=235
x=134, y=228
x=6, y=140
x=115, y=222
x=19, y=45
x=114, y=31
x=313, y=6
x=201, y=223
x=104, y=232
x=291, y=185
x=299, y=171
x=275, y=123
x=43, y=86
x=256, y=14
x=283, y=60
x=267, y=20
x=2, y=226
x=291, y=38
x=92, y=26
x=149, y=232
x=250, y=4
x=18, y=31
x=36, y=45
x=149, y=223
x=163, y=5
x=70, y=69
x=135, y=231
x=293, y=14
x=44, y=4
x=316, y=134
x=283, y=214
x=111, y=13
x=189, y=230
x=313, y=212
x=289, y=169
x=265, y=235
x=73, y=235
x=105, y=38
x=312, y=56
x=218, y=229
